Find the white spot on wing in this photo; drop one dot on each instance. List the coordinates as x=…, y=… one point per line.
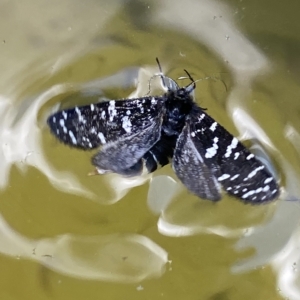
x=202, y=116
x=234, y=177
x=65, y=115
x=250, y=156
x=93, y=130
x=223, y=177
x=236, y=155
x=101, y=138
x=253, y=173
x=112, y=110
x=250, y=193
x=212, y=151
x=92, y=107
x=126, y=124
x=62, y=122
x=71, y=134
x=78, y=111
x=80, y=117
x=258, y=190
x=213, y=126
x=233, y=145
x=268, y=180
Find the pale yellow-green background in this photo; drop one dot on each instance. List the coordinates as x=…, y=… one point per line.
x=55, y=220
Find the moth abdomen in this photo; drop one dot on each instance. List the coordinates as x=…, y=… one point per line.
x=161, y=153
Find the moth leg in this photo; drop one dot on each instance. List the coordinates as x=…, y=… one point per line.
x=190, y=168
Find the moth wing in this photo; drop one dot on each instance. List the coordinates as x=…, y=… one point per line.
x=239, y=172
x=124, y=156
x=90, y=126
x=191, y=169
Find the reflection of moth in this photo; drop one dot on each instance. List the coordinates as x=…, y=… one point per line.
x=148, y=131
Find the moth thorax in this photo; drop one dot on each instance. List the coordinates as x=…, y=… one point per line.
x=175, y=116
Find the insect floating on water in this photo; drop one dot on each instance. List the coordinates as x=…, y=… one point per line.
x=147, y=131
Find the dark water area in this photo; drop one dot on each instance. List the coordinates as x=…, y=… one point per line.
x=66, y=235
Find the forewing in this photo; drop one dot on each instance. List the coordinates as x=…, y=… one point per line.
x=90, y=126
x=191, y=169
x=239, y=172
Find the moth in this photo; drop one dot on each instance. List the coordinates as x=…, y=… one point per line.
x=152, y=130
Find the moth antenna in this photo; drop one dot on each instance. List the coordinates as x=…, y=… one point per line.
x=161, y=73
x=149, y=84
x=155, y=75
x=214, y=78
x=189, y=75
x=208, y=77
x=193, y=83
x=158, y=63
x=224, y=84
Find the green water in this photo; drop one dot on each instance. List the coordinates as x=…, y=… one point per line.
x=66, y=235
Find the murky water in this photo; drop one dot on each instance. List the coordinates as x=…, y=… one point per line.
x=66, y=235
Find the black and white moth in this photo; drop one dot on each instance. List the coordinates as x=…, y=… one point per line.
x=151, y=130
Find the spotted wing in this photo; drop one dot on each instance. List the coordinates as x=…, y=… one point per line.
x=90, y=126
x=239, y=172
x=191, y=168
x=124, y=155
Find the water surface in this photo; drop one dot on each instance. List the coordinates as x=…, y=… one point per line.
x=68, y=235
